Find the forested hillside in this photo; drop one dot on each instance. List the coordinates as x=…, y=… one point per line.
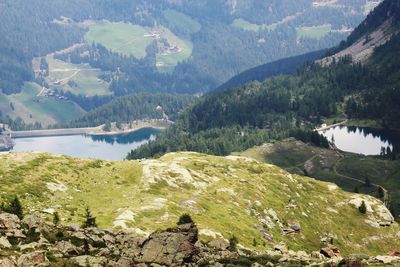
x=258, y=112
x=226, y=37
x=281, y=67
x=135, y=107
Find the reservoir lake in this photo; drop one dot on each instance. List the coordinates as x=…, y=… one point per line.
x=107, y=147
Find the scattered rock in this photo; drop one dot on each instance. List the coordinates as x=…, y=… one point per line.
x=219, y=244
x=37, y=258
x=54, y=187
x=388, y=259
x=90, y=261
x=330, y=252
x=7, y=262
x=4, y=243
x=281, y=247
x=66, y=248
x=9, y=222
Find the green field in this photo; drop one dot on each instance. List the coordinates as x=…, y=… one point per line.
x=129, y=39
x=170, y=61
x=32, y=109
x=313, y=32
x=124, y=38
x=345, y=169
x=248, y=26
x=181, y=22
x=86, y=79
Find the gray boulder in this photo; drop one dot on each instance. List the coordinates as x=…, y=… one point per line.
x=172, y=247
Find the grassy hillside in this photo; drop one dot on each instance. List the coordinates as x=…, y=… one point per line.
x=314, y=32
x=226, y=196
x=168, y=62
x=32, y=108
x=124, y=38
x=247, y=26
x=347, y=170
x=85, y=79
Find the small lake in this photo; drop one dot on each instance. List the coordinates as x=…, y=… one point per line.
x=366, y=141
x=115, y=147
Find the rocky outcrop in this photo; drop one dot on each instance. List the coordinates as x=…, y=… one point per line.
x=175, y=246
x=35, y=242
x=6, y=143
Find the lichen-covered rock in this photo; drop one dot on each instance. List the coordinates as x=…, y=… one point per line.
x=90, y=261
x=66, y=248
x=175, y=246
x=9, y=222
x=37, y=258
x=219, y=244
x=7, y=262
x=4, y=243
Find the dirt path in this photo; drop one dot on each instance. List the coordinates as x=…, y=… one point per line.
x=385, y=191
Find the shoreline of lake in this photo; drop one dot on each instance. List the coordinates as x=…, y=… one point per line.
x=91, y=131
x=105, y=147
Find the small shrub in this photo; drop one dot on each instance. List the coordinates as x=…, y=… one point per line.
x=184, y=219
x=59, y=235
x=14, y=207
x=363, y=207
x=381, y=192
x=233, y=241
x=56, y=218
x=255, y=242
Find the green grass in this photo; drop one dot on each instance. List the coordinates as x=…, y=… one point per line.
x=292, y=155
x=248, y=26
x=228, y=196
x=313, y=32
x=181, y=22
x=32, y=109
x=170, y=61
x=129, y=39
x=124, y=38
x=87, y=79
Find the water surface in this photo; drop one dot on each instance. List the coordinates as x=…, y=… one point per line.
x=114, y=147
x=364, y=141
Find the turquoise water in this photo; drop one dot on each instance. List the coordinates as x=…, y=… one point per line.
x=114, y=147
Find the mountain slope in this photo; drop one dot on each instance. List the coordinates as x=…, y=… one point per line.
x=226, y=196
x=238, y=119
x=377, y=29
x=281, y=67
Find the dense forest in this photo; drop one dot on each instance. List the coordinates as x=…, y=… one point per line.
x=280, y=67
x=219, y=123
x=135, y=107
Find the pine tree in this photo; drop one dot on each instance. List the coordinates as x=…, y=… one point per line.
x=363, y=207
x=15, y=208
x=381, y=192
x=90, y=220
